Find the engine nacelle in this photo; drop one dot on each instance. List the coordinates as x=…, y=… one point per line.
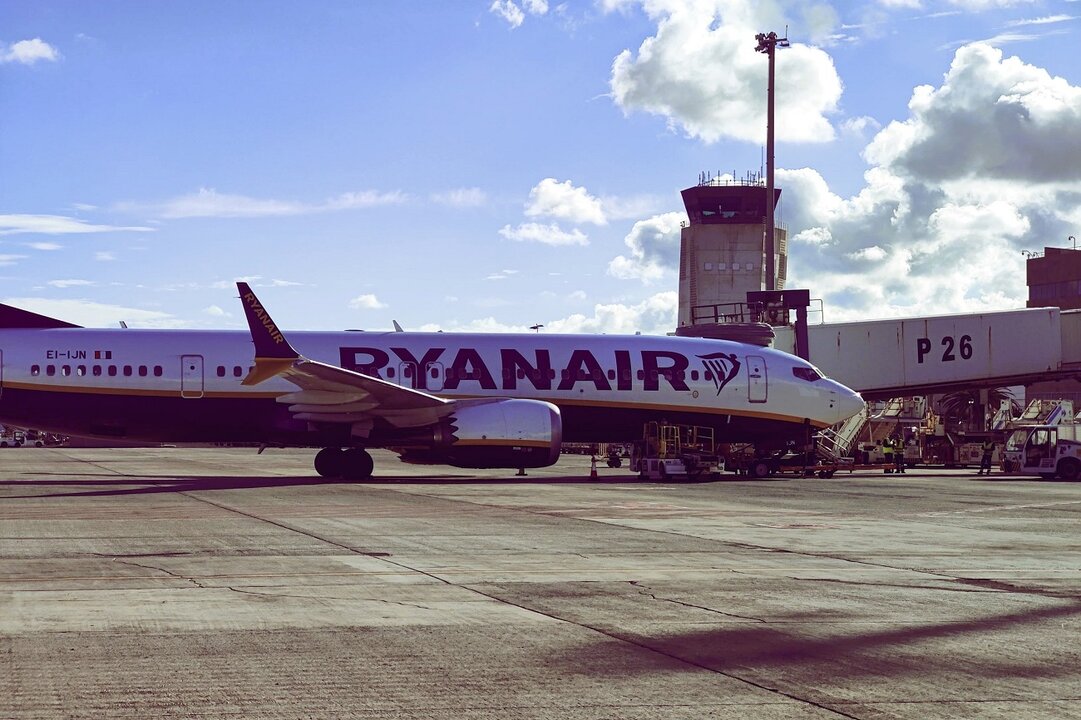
x=503, y=433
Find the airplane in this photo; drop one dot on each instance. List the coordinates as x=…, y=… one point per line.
x=465, y=400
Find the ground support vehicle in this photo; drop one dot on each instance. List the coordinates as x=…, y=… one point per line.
x=1048, y=451
x=676, y=452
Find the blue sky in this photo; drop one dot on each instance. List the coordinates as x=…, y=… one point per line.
x=491, y=165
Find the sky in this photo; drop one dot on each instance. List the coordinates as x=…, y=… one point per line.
x=490, y=166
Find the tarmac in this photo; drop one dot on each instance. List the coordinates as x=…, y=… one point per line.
x=221, y=583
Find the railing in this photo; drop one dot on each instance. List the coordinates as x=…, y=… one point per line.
x=728, y=313
x=835, y=442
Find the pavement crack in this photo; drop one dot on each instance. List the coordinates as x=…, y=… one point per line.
x=170, y=573
x=266, y=594
x=646, y=592
x=901, y=586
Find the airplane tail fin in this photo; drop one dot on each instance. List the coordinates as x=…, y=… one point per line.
x=14, y=318
x=273, y=353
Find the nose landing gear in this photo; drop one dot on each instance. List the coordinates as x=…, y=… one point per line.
x=351, y=463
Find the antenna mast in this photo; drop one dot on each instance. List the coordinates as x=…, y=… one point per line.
x=768, y=44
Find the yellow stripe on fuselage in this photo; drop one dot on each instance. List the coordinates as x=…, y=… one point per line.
x=576, y=402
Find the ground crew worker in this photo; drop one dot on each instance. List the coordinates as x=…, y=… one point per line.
x=887, y=454
x=899, y=455
x=985, y=460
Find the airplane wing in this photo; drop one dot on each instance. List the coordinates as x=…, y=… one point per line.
x=329, y=393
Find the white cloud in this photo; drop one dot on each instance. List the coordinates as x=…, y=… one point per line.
x=1046, y=20
x=28, y=52
x=984, y=166
x=562, y=200
x=700, y=72
x=981, y=5
x=859, y=126
x=104, y=256
x=546, y=234
x=56, y=225
x=654, y=245
x=6, y=260
x=45, y=246
x=366, y=302
x=215, y=311
x=95, y=314
x=70, y=283
x=461, y=197
x=656, y=315
x=991, y=118
x=514, y=12
x=507, y=10
x=208, y=202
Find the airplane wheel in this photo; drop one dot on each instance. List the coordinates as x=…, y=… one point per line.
x=760, y=469
x=357, y=464
x=329, y=462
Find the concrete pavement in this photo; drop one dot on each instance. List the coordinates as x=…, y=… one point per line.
x=219, y=583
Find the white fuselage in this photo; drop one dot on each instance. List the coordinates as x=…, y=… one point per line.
x=186, y=385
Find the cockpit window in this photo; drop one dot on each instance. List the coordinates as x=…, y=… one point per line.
x=806, y=373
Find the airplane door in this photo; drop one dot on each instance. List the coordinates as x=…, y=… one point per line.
x=407, y=375
x=191, y=376
x=757, y=387
x=435, y=373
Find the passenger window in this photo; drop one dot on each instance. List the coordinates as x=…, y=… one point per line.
x=127, y=371
x=694, y=375
x=221, y=371
x=142, y=371
x=112, y=371
x=390, y=373
x=237, y=371
x=50, y=370
x=65, y=370
x=35, y=370
x=80, y=370
x=611, y=374
x=641, y=375
x=158, y=371
x=96, y=370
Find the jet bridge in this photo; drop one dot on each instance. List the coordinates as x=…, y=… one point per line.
x=917, y=356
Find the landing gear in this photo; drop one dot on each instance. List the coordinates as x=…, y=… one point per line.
x=351, y=464
x=760, y=469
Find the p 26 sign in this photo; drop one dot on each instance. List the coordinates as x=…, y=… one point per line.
x=952, y=348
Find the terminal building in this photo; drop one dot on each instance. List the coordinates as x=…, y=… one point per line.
x=1054, y=278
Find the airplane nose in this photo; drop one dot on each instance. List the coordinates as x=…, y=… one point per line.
x=845, y=402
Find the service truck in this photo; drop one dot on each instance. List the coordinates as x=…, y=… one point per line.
x=1044, y=450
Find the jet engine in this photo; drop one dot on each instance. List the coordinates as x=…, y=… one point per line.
x=497, y=434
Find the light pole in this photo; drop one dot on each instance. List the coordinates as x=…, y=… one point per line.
x=768, y=43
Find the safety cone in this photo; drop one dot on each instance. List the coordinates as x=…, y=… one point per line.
x=593, y=467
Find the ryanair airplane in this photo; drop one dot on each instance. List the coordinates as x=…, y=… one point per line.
x=468, y=400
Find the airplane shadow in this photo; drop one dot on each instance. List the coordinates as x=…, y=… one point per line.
x=769, y=648
x=149, y=485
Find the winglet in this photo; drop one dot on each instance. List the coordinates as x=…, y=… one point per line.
x=273, y=353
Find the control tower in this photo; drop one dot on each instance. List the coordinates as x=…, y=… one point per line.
x=722, y=249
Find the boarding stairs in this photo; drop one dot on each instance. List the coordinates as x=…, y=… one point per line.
x=834, y=443
x=1046, y=412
